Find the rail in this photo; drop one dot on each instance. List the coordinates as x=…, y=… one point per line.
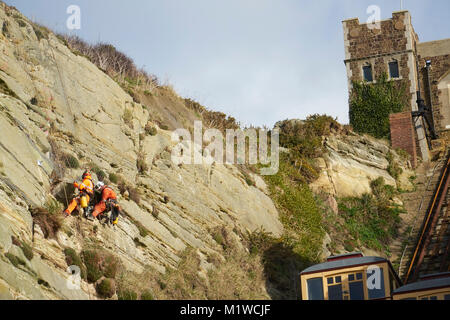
x=429, y=224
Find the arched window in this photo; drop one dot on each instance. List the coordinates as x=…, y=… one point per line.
x=394, y=72
x=367, y=73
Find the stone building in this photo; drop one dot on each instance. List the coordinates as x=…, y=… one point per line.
x=393, y=47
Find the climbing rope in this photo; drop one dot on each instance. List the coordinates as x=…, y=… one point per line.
x=69, y=107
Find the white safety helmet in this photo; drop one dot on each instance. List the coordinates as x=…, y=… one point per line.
x=99, y=186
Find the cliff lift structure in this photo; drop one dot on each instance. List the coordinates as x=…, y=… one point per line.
x=425, y=112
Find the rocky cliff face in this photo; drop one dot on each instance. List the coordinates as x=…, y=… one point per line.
x=56, y=106
x=353, y=161
x=55, y=102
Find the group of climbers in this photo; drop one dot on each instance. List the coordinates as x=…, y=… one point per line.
x=95, y=202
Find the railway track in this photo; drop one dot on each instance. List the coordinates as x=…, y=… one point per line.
x=431, y=252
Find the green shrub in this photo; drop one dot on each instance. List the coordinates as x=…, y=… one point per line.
x=393, y=168
x=403, y=154
x=126, y=295
x=217, y=236
x=98, y=264
x=143, y=232
x=304, y=141
x=27, y=250
x=40, y=31
x=53, y=206
x=106, y=288
x=71, y=161
x=382, y=192
x=110, y=266
x=371, y=219
x=247, y=177
x=92, y=261
x=299, y=211
x=114, y=178
x=372, y=103
x=99, y=172
x=15, y=260
x=147, y=295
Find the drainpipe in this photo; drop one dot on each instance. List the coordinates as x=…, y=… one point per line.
x=428, y=66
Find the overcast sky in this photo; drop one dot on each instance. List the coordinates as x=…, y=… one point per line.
x=260, y=61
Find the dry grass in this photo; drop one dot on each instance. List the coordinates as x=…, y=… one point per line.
x=239, y=276
x=49, y=223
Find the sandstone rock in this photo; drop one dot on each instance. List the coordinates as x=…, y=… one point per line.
x=350, y=164
x=332, y=203
x=325, y=252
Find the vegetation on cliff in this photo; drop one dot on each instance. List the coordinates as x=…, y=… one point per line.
x=370, y=221
x=372, y=103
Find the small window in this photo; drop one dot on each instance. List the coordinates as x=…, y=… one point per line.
x=315, y=289
x=367, y=70
x=393, y=70
x=330, y=280
x=335, y=292
x=338, y=279
x=359, y=276
x=356, y=290
x=351, y=277
x=433, y=298
x=447, y=297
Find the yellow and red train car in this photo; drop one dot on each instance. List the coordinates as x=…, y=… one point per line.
x=350, y=277
x=429, y=287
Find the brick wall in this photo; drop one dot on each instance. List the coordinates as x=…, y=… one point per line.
x=403, y=134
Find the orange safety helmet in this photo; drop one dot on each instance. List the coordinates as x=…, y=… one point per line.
x=87, y=175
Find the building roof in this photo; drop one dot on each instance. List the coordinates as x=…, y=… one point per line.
x=429, y=282
x=434, y=48
x=343, y=262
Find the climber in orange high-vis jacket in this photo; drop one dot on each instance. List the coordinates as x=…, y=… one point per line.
x=107, y=203
x=86, y=189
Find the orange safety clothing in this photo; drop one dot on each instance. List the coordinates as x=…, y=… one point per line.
x=86, y=189
x=107, y=194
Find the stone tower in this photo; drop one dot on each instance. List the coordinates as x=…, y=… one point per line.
x=391, y=48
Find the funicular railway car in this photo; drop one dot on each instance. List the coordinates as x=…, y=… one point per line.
x=429, y=287
x=350, y=277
